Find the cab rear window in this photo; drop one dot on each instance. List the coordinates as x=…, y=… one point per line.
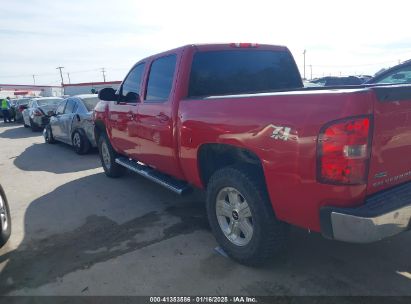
x=241, y=72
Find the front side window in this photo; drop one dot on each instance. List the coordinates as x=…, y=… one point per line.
x=399, y=76
x=161, y=77
x=131, y=85
x=60, y=108
x=242, y=72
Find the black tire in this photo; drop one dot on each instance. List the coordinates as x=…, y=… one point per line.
x=48, y=136
x=80, y=143
x=111, y=168
x=33, y=126
x=269, y=235
x=4, y=234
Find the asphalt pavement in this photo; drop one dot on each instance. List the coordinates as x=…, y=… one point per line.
x=77, y=232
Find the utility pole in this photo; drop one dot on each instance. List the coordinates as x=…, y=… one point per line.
x=305, y=51
x=61, y=74
x=34, y=79
x=104, y=74
x=68, y=76
x=311, y=70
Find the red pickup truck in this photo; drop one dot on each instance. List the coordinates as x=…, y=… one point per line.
x=234, y=119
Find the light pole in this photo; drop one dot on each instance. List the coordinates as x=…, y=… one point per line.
x=68, y=76
x=34, y=79
x=311, y=70
x=62, y=80
x=61, y=74
x=104, y=74
x=305, y=51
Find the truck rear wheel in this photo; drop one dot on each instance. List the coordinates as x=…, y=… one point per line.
x=108, y=157
x=241, y=216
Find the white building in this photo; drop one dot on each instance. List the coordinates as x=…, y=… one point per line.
x=20, y=90
x=88, y=87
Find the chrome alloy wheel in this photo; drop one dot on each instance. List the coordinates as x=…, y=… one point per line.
x=234, y=216
x=3, y=215
x=77, y=140
x=105, y=155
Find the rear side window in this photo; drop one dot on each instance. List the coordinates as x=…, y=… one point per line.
x=242, y=71
x=160, y=79
x=71, y=103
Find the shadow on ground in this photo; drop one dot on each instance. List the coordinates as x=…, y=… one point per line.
x=96, y=219
x=91, y=220
x=61, y=159
x=16, y=131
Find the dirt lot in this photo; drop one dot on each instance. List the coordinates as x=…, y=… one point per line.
x=77, y=232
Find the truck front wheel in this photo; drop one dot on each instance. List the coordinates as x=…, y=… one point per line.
x=108, y=158
x=241, y=216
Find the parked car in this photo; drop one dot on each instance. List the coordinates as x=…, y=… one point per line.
x=399, y=74
x=73, y=123
x=38, y=112
x=20, y=106
x=338, y=81
x=235, y=120
x=5, y=219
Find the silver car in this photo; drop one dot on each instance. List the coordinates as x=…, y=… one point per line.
x=38, y=112
x=73, y=123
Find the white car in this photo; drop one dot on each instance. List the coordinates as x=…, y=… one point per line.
x=37, y=115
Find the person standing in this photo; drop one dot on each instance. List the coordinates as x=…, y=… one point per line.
x=5, y=108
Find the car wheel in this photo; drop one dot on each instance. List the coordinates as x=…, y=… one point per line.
x=48, y=135
x=107, y=157
x=80, y=143
x=5, y=219
x=241, y=216
x=33, y=126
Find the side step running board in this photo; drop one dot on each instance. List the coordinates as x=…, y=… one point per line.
x=166, y=181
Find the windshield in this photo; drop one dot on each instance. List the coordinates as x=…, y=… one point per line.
x=49, y=102
x=90, y=103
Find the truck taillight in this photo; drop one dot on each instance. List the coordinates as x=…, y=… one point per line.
x=343, y=151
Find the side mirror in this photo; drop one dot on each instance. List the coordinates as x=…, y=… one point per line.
x=77, y=117
x=107, y=94
x=132, y=97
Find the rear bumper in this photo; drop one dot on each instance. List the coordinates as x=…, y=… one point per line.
x=383, y=215
x=41, y=121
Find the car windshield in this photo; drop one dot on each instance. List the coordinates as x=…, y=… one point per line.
x=90, y=103
x=48, y=102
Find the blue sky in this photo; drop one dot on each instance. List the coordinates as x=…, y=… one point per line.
x=344, y=37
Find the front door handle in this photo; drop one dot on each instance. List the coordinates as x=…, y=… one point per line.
x=163, y=117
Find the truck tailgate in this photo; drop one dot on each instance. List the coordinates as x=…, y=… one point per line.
x=390, y=163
